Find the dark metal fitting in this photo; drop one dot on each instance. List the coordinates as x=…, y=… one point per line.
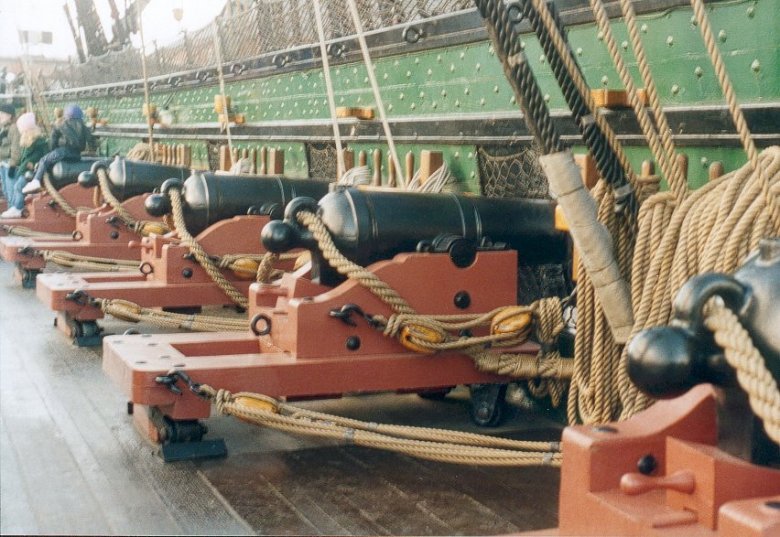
x=28, y=251
x=81, y=298
x=255, y=320
x=623, y=196
x=174, y=376
x=344, y=314
x=113, y=221
x=412, y=34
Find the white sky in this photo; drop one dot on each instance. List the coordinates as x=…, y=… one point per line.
x=48, y=15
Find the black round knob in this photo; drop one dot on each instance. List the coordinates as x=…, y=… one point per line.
x=87, y=179
x=661, y=361
x=278, y=237
x=157, y=205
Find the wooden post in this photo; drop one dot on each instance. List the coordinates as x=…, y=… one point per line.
x=377, y=178
x=648, y=168
x=349, y=159
x=430, y=161
x=187, y=156
x=682, y=162
x=263, y=161
x=275, y=161
x=391, y=178
x=409, y=172
x=236, y=156
x=224, y=158
x=587, y=165
x=362, y=158
x=716, y=170
x=253, y=161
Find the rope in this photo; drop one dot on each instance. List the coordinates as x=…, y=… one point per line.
x=200, y=254
x=329, y=89
x=147, y=99
x=430, y=333
x=375, y=88
x=22, y=231
x=57, y=197
x=221, y=76
x=67, y=259
x=581, y=85
x=436, y=182
x=677, y=180
x=713, y=229
x=128, y=311
x=736, y=112
x=142, y=227
x=743, y=356
x=665, y=159
x=431, y=444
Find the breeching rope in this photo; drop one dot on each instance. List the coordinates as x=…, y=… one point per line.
x=141, y=227
x=200, y=254
x=129, y=311
x=430, y=333
x=58, y=198
x=23, y=231
x=425, y=443
x=68, y=259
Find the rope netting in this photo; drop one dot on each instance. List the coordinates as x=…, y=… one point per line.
x=266, y=26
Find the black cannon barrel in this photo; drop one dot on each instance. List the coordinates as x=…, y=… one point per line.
x=67, y=172
x=130, y=178
x=209, y=197
x=368, y=225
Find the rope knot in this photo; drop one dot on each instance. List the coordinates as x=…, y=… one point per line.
x=221, y=399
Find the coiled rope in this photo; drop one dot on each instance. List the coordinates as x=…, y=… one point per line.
x=431, y=444
x=85, y=262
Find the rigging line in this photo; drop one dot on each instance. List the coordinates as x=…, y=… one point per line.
x=340, y=167
x=640, y=111
x=629, y=15
x=149, y=122
x=375, y=88
x=221, y=76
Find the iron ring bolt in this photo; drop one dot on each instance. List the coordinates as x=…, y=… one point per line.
x=412, y=34
x=146, y=268
x=255, y=320
x=77, y=235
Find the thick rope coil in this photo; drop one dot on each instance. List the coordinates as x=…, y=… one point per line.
x=431, y=444
x=200, y=254
x=743, y=356
x=131, y=312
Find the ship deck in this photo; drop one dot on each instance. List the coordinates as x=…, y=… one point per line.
x=71, y=461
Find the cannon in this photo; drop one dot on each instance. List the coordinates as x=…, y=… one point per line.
x=102, y=232
x=226, y=212
x=314, y=335
x=697, y=461
x=209, y=198
x=42, y=213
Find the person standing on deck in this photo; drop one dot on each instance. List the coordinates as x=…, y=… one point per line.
x=9, y=148
x=68, y=140
x=33, y=147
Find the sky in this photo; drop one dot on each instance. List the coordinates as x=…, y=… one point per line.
x=48, y=15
